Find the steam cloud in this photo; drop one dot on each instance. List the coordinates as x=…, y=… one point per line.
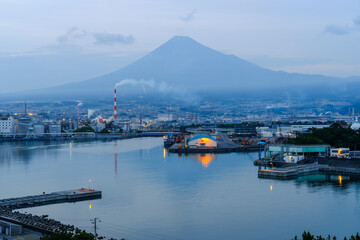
x=97, y=119
x=161, y=87
x=91, y=112
x=133, y=82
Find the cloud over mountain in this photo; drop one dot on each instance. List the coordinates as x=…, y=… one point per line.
x=100, y=38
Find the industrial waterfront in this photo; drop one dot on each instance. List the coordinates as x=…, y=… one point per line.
x=148, y=193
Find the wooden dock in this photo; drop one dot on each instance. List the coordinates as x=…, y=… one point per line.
x=291, y=172
x=50, y=198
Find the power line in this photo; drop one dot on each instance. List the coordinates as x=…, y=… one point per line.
x=93, y=221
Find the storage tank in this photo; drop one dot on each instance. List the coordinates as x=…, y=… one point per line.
x=55, y=130
x=39, y=130
x=22, y=126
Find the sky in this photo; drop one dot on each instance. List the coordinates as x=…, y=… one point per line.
x=48, y=43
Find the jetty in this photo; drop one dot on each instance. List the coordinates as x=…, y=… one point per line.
x=50, y=198
x=43, y=224
x=291, y=172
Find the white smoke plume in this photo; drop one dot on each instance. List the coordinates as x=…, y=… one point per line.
x=109, y=119
x=97, y=119
x=132, y=82
x=91, y=112
x=80, y=104
x=161, y=87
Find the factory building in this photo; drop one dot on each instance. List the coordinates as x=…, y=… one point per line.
x=202, y=141
x=39, y=130
x=23, y=125
x=294, y=153
x=7, y=124
x=55, y=130
x=356, y=124
x=245, y=131
x=98, y=126
x=264, y=132
x=305, y=128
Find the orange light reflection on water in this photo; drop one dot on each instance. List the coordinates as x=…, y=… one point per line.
x=205, y=159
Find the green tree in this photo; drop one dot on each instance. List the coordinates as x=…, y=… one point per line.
x=85, y=129
x=57, y=236
x=83, y=236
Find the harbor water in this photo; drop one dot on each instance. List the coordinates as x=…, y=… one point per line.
x=148, y=193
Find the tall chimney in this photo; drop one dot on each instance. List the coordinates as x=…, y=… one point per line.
x=115, y=113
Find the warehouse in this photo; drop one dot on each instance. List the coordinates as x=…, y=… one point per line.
x=202, y=141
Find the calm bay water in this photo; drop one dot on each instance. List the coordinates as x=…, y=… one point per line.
x=150, y=194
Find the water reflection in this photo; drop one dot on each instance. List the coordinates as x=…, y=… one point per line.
x=320, y=180
x=196, y=196
x=204, y=158
x=115, y=157
x=24, y=152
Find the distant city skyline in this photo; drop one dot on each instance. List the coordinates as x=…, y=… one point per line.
x=45, y=44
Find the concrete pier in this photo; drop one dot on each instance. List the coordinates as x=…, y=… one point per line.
x=42, y=223
x=291, y=172
x=49, y=198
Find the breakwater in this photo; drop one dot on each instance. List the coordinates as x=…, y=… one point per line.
x=43, y=224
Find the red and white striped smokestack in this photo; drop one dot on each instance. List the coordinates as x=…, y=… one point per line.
x=115, y=112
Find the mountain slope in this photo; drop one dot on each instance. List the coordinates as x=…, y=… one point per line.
x=186, y=65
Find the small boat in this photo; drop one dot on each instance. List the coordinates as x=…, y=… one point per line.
x=168, y=141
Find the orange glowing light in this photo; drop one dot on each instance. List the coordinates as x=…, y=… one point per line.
x=340, y=179
x=205, y=159
x=205, y=139
x=339, y=151
x=164, y=153
x=89, y=180
x=270, y=187
x=90, y=206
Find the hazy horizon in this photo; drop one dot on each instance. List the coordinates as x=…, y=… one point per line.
x=45, y=45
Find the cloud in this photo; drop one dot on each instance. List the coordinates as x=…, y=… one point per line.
x=357, y=21
x=337, y=30
x=72, y=34
x=75, y=33
x=189, y=16
x=111, y=39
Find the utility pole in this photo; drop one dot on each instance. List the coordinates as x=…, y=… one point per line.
x=93, y=221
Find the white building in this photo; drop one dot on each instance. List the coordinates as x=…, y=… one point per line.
x=264, y=132
x=7, y=125
x=165, y=117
